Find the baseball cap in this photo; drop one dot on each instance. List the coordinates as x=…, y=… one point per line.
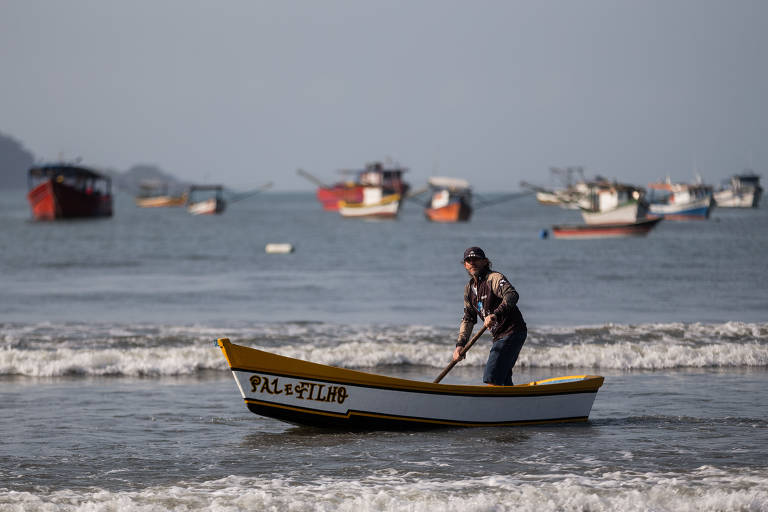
x=474, y=252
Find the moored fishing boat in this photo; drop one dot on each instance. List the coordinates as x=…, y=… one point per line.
x=63, y=191
x=352, y=191
x=155, y=195
x=307, y=393
x=208, y=205
x=621, y=230
x=451, y=200
x=614, y=203
x=374, y=205
x=743, y=191
x=680, y=201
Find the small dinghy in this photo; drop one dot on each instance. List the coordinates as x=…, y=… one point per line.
x=305, y=393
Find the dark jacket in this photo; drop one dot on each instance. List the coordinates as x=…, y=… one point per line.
x=492, y=294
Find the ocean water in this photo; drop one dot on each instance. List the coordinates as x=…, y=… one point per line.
x=113, y=396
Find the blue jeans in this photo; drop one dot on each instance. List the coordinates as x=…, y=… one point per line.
x=501, y=359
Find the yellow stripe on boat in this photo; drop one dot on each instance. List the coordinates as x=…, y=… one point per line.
x=246, y=358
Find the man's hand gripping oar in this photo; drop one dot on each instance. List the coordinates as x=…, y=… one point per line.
x=461, y=355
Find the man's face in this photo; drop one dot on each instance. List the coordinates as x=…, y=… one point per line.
x=475, y=266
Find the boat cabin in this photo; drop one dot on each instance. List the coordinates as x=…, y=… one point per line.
x=76, y=178
x=606, y=196
x=376, y=175
x=746, y=181
x=670, y=193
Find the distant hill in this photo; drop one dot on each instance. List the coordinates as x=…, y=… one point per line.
x=15, y=161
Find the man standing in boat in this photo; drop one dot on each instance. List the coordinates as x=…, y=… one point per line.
x=490, y=295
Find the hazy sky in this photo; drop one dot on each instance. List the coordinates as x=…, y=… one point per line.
x=244, y=92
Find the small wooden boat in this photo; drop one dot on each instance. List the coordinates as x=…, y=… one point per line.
x=374, y=205
x=155, y=195
x=63, y=191
x=451, y=200
x=620, y=230
x=306, y=393
x=210, y=205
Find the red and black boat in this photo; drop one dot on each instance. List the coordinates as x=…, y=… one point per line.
x=621, y=230
x=63, y=191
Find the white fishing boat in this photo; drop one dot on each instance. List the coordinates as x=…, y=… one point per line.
x=374, y=205
x=205, y=199
x=615, y=203
x=307, y=393
x=680, y=201
x=743, y=191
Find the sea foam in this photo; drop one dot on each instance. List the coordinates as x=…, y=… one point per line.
x=148, y=350
x=703, y=489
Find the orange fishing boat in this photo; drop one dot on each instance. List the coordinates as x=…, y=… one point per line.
x=451, y=200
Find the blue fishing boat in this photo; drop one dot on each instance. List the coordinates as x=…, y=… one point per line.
x=680, y=201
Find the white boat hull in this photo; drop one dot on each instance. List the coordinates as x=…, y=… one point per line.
x=623, y=214
x=732, y=199
x=696, y=208
x=207, y=207
x=348, y=400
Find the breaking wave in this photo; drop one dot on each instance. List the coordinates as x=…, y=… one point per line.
x=704, y=489
x=49, y=350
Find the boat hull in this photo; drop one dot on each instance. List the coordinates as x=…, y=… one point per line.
x=388, y=207
x=330, y=197
x=307, y=393
x=626, y=213
x=693, y=210
x=738, y=199
x=51, y=200
x=210, y=206
x=160, y=201
x=456, y=211
x=622, y=230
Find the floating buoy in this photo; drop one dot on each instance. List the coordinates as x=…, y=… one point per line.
x=278, y=248
x=544, y=234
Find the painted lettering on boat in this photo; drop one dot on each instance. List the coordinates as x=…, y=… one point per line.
x=303, y=390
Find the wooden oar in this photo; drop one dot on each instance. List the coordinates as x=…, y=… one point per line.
x=463, y=351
